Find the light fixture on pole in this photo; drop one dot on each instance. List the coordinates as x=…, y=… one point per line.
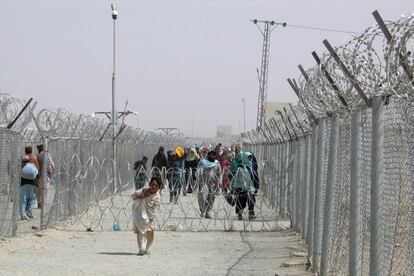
x=114, y=113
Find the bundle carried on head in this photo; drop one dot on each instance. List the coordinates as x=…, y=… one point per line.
x=179, y=151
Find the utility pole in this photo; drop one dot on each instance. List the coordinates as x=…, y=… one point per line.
x=268, y=27
x=244, y=114
x=192, y=125
x=113, y=116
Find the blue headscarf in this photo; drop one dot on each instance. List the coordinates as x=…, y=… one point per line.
x=205, y=164
x=245, y=158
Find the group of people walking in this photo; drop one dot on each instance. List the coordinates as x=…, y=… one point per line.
x=205, y=171
x=208, y=171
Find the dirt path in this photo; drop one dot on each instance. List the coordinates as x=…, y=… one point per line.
x=53, y=252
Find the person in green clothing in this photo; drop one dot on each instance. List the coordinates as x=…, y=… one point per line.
x=141, y=173
x=208, y=183
x=242, y=185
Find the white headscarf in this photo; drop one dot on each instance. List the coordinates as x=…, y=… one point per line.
x=193, y=155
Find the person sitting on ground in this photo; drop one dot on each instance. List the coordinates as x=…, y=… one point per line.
x=141, y=173
x=208, y=183
x=27, y=188
x=143, y=214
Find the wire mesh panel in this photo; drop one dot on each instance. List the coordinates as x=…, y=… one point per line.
x=340, y=206
x=9, y=181
x=397, y=187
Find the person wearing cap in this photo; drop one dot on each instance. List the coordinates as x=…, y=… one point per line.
x=28, y=183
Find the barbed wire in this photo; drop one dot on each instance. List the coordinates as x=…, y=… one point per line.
x=333, y=199
x=378, y=67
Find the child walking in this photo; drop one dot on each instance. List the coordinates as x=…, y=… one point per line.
x=143, y=214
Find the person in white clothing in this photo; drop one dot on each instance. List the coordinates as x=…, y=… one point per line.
x=146, y=200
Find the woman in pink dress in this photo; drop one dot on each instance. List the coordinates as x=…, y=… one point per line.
x=225, y=166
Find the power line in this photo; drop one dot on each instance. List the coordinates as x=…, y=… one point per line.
x=247, y=84
x=320, y=29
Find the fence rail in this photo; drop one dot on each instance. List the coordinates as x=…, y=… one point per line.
x=340, y=163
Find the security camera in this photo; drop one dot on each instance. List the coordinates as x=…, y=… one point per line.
x=114, y=11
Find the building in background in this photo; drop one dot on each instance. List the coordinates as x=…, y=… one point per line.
x=224, y=134
x=271, y=107
x=224, y=131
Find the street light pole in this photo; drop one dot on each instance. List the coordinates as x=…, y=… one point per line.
x=244, y=114
x=114, y=113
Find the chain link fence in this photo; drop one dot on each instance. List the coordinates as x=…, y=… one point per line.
x=84, y=176
x=339, y=164
x=81, y=150
x=81, y=192
x=9, y=181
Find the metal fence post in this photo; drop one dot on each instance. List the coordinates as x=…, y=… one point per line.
x=292, y=182
x=44, y=183
x=15, y=184
x=287, y=180
x=355, y=224
x=330, y=182
x=312, y=182
x=299, y=190
x=277, y=173
x=306, y=178
x=317, y=241
x=281, y=177
x=273, y=177
x=377, y=186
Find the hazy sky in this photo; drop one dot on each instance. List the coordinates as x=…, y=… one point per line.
x=176, y=60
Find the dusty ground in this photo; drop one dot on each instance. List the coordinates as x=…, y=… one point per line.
x=53, y=252
x=211, y=250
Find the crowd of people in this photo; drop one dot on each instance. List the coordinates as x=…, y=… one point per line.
x=207, y=171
